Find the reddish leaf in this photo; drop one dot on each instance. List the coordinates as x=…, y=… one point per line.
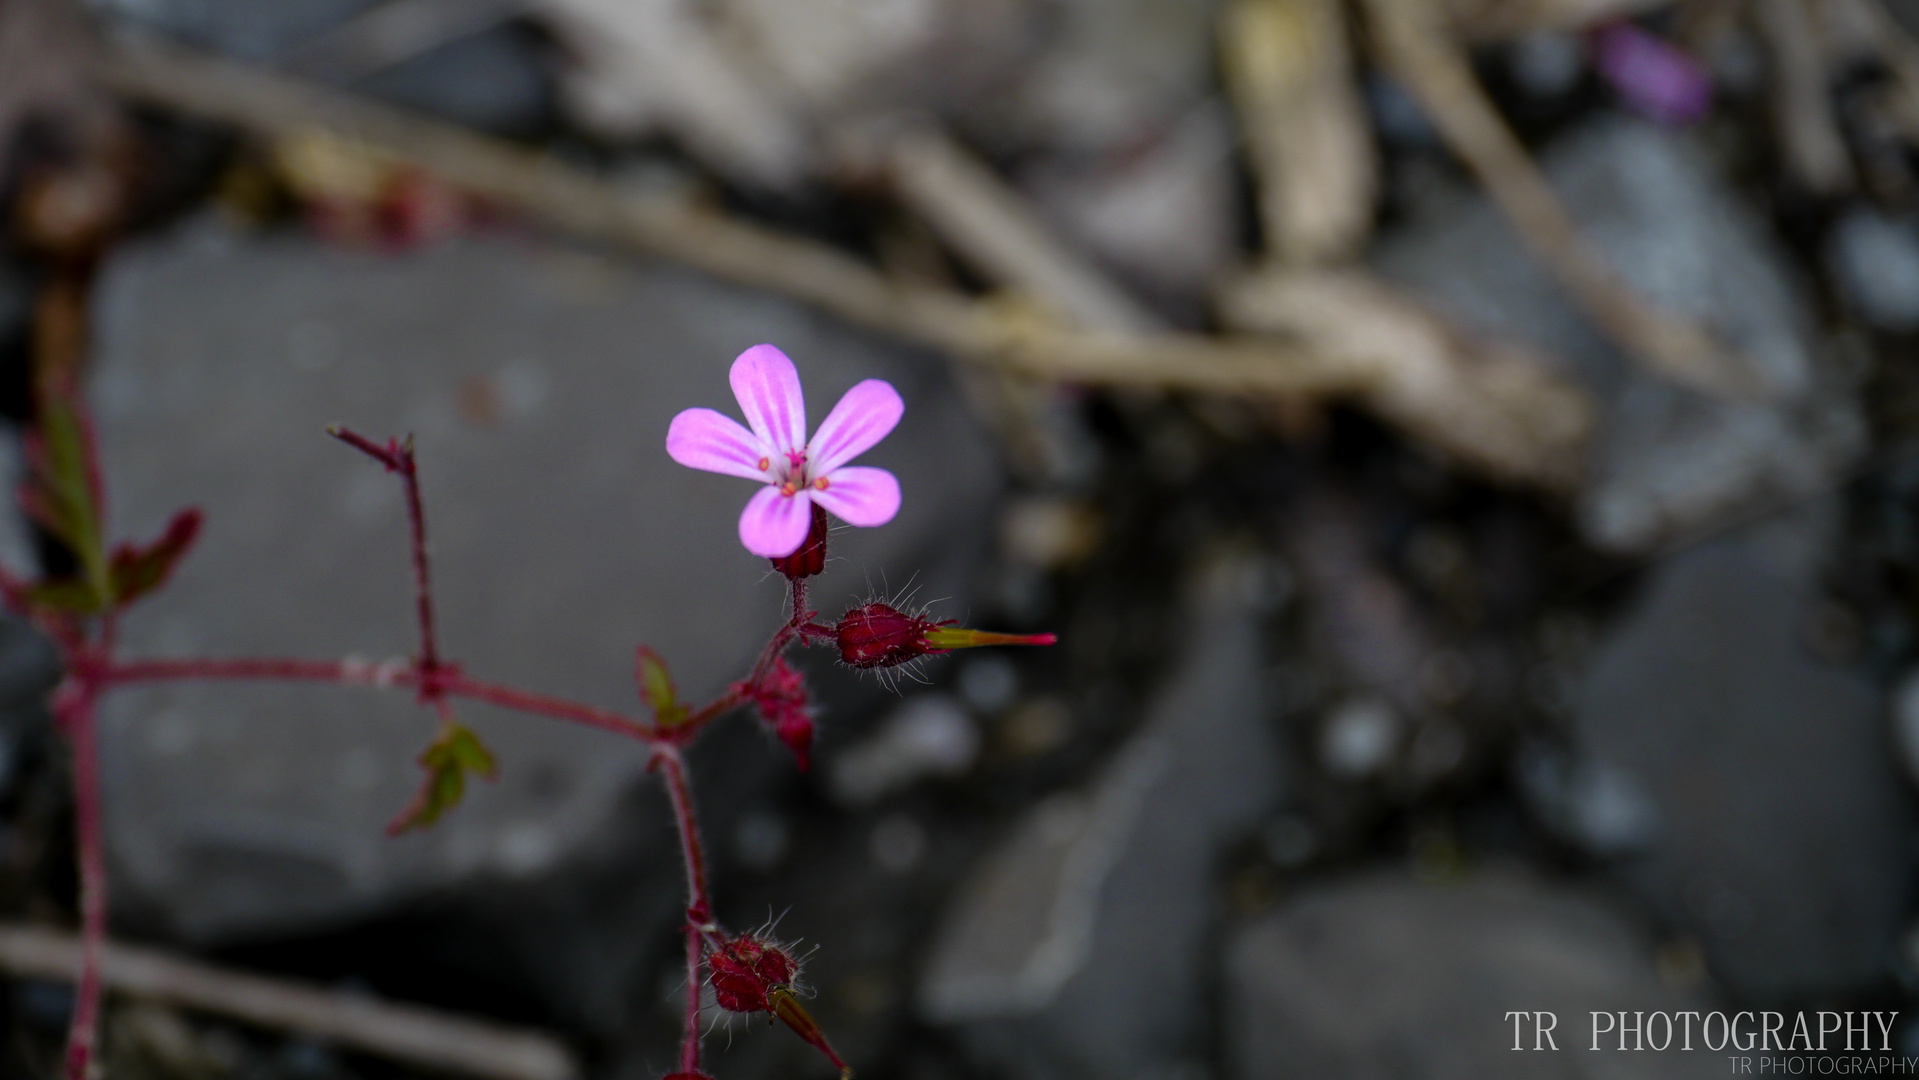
x=135, y=571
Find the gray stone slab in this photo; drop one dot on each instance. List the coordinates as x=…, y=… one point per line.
x=1780, y=835
x=1669, y=460
x=1381, y=977
x=1077, y=949
x=538, y=381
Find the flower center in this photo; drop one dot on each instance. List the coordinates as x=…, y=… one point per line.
x=795, y=470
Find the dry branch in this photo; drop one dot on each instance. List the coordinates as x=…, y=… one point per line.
x=993, y=227
x=392, y=33
x=405, y=1033
x=1289, y=66
x=1485, y=401
x=578, y=201
x=1803, y=116
x=1413, y=44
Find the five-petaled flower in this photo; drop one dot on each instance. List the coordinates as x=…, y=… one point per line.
x=798, y=471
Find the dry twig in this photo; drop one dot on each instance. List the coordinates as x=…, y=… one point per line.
x=995, y=229
x=1413, y=43
x=1488, y=402
x=405, y=1033
x=578, y=201
x=1802, y=98
x=1289, y=66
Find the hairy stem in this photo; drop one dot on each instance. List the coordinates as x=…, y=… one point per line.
x=73, y=708
x=699, y=905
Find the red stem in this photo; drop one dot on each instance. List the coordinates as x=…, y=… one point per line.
x=699, y=906
x=422, y=581
x=73, y=707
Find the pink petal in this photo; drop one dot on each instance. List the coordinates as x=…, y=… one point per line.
x=704, y=439
x=863, y=417
x=775, y=525
x=859, y=495
x=768, y=387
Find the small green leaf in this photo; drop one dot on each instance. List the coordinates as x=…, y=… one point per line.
x=456, y=752
x=465, y=750
x=656, y=689
x=63, y=490
x=70, y=595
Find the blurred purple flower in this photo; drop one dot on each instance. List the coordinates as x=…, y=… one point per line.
x=1653, y=75
x=798, y=472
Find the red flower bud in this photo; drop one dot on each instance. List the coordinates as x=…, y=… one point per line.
x=810, y=559
x=879, y=635
x=796, y=731
x=780, y=697
x=746, y=969
x=751, y=974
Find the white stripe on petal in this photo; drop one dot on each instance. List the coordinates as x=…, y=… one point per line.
x=768, y=387
x=859, y=495
x=864, y=416
x=704, y=439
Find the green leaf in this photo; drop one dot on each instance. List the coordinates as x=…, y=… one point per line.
x=656, y=689
x=63, y=491
x=70, y=595
x=135, y=571
x=447, y=761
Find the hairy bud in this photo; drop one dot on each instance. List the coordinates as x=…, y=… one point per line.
x=879, y=635
x=747, y=969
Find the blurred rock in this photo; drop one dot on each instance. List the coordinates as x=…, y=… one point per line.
x=1547, y=63
x=750, y=85
x=929, y=736
x=1905, y=723
x=1075, y=950
x=1783, y=834
x=1382, y=976
x=1874, y=263
x=239, y=28
x=494, y=79
x=1669, y=460
x=563, y=536
x=1048, y=532
x=1604, y=810
x=1109, y=74
x=850, y=57
x=1164, y=214
x=1359, y=738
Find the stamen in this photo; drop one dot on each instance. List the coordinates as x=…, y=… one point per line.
x=820, y=483
x=764, y=462
x=788, y=488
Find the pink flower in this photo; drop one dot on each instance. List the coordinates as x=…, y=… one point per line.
x=798, y=472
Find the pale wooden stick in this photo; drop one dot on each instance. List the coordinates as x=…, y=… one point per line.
x=1486, y=401
x=392, y=33
x=1289, y=66
x=1802, y=98
x=1413, y=43
x=578, y=201
x=993, y=227
x=406, y=1033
